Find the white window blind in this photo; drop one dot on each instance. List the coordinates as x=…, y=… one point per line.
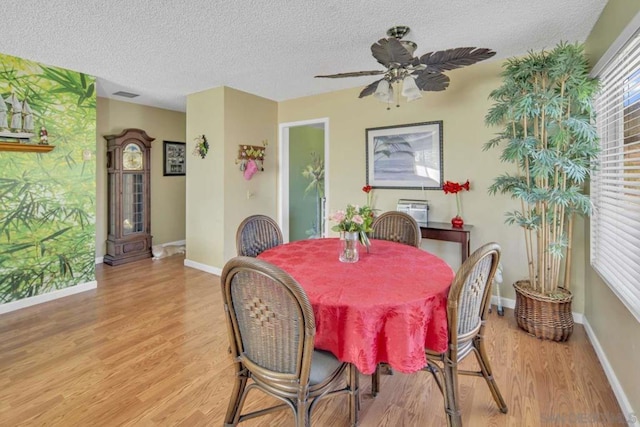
x=615, y=185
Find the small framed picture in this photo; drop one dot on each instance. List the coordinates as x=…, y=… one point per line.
x=405, y=156
x=175, y=159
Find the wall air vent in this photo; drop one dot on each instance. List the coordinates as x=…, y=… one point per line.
x=126, y=94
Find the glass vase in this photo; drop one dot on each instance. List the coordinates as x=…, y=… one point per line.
x=349, y=246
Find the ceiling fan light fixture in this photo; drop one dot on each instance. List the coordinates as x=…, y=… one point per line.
x=384, y=91
x=412, y=74
x=410, y=89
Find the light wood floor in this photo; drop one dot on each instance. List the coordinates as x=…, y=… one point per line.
x=149, y=347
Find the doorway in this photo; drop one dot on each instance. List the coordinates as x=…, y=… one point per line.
x=304, y=155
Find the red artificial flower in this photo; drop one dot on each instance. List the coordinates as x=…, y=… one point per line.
x=367, y=189
x=454, y=187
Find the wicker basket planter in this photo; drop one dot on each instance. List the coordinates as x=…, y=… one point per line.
x=545, y=317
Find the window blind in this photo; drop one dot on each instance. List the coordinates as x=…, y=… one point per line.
x=615, y=184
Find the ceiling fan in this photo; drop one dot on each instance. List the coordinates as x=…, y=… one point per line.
x=424, y=73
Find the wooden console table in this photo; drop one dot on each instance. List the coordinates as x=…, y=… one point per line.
x=445, y=231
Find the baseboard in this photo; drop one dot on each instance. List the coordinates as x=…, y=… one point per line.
x=100, y=260
x=627, y=410
x=39, y=299
x=506, y=302
x=511, y=303
x=204, y=267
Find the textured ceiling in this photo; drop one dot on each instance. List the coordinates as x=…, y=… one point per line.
x=167, y=49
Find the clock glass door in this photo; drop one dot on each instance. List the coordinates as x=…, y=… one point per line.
x=132, y=203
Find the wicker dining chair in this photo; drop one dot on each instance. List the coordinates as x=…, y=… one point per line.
x=271, y=330
x=467, y=305
x=396, y=227
x=256, y=234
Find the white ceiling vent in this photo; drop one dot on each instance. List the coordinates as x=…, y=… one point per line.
x=125, y=94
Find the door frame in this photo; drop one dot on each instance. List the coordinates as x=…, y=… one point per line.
x=283, y=173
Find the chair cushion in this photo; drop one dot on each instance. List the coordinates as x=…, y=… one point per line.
x=323, y=364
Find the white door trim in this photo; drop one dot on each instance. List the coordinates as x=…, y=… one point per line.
x=283, y=173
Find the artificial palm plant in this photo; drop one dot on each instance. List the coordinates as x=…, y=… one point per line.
x=545, y=109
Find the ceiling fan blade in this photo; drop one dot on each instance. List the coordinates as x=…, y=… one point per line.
x=450, y=59
x=353, y=74
x=370, y=89
x=390, y=50
x=431, y=82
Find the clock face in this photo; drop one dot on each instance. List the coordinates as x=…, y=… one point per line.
x=132, y=157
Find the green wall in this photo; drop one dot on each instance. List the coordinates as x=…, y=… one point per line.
x=47, y=200
x=303, y=140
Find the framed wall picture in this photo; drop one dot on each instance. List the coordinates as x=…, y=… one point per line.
x=405, y=156
x=174, y=158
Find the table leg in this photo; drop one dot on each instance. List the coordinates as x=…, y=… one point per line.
x=465, y=246
x=354, y=395
x=375, y=382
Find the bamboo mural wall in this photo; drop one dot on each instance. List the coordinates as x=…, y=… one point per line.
x=47, y=200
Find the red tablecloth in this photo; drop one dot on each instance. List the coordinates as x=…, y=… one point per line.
x=387, y=307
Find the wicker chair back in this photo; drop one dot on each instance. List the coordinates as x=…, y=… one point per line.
x=396, y=227
x=256, y=234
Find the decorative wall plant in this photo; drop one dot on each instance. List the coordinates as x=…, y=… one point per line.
x=202, y=146
x=47, y=201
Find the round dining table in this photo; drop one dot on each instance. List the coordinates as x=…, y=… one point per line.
x=387, y=307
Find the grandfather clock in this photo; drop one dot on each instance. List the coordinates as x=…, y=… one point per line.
x=129, y=221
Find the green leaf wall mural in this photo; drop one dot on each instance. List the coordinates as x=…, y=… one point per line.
x=47, y=200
